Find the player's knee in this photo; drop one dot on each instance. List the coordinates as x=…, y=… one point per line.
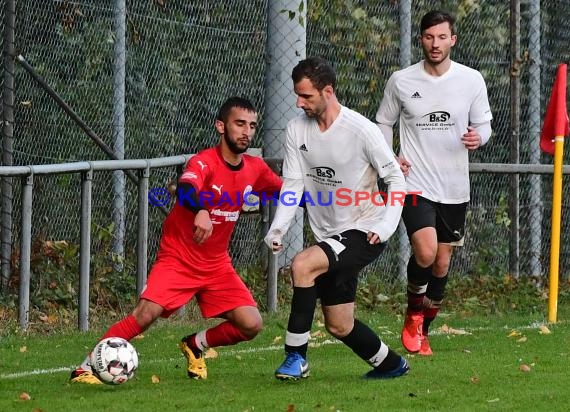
x=441, y=266
x=299, y=270
x=338, y=330
x=144, y=318
x=425, y=258
x=251, y=328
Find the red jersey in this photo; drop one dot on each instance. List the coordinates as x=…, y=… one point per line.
x=221, y=188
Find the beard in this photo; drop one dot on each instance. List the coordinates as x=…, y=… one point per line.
x=440, y=59
x=233, y=146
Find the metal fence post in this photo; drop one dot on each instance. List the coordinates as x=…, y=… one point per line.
x=85, y=250
x=286, y=46
x=25, y=251
x=119, y=69
x=272, y=268
x=514, y=189
x=405, y=61
x=142, y=229
x=7, y=141
x=535, y=197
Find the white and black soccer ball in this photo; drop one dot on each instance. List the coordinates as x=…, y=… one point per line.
x=114, y=360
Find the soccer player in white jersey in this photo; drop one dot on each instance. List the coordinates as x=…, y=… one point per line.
x=443, y=113
x=332, y=150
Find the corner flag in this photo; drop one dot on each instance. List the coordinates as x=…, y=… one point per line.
x=552, y=142
x=556, y=118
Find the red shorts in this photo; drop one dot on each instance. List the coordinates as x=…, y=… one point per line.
x=172, y=285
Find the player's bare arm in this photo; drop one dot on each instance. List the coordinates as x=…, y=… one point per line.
x=202, y=226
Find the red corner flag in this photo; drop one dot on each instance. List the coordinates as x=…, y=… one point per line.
x=556, y=119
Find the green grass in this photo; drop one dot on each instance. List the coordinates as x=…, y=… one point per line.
x=476, y=371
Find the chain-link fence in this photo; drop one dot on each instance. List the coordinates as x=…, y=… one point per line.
x=182, y=59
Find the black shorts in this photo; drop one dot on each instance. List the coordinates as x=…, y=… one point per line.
x=447, y=219
x=338, y=284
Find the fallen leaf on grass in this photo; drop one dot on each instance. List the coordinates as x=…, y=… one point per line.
x=23, y=349
x=318, y=334
x=474, y=379
x=493, y=400
x=277, y=339
x=514, y=334
x=210, y=353
x=524, y=368
x=320, y=324
x=523, y=339
x=543, y=330
x=25, y=396
x=382, y=298
x=290, y=408
x=138, y=337
x=155, y=379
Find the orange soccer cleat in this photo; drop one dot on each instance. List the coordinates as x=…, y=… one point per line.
x=412, y=331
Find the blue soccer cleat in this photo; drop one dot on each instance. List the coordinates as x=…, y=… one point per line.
x=402, y=369
x=293, y=367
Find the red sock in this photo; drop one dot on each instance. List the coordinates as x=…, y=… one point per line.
x=126, y=328
x=225, y=334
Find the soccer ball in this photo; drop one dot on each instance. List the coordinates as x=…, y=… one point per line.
x=114, y=360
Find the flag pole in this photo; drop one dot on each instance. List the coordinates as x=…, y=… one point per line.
x=556, y=126
x=555, y=231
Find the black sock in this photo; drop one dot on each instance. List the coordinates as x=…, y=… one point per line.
x=365, y=343
x=303, y=306
x=417, y=284
x=434, y=298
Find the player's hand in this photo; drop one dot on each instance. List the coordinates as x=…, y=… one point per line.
x=471, y=139
x=404, y=165
x=372, y=238
x=202, y=226
x=273, y=240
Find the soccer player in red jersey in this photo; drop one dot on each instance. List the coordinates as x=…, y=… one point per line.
x=193, y=258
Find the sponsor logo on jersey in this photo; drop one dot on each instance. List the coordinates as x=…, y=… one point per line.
x=416, y=95
x=303, y=148
x=229, y=216
x=434, y=121
x=202, y=164
x=323, y=171
x=437, y=117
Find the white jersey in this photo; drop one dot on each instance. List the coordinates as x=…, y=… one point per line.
x=335, y=168
x=434, y=113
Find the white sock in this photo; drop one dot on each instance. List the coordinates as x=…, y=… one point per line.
x=200, y=340
x=86, y=365
x=377, y=359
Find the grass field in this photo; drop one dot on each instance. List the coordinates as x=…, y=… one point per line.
x=485, y=363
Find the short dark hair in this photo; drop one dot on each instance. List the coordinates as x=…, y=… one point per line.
x=317, y=70
x=232, y=102
x=436, y=17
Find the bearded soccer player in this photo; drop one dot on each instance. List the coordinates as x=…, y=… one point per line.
x=193, y=258
x=444, y=114
x=330, y=147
